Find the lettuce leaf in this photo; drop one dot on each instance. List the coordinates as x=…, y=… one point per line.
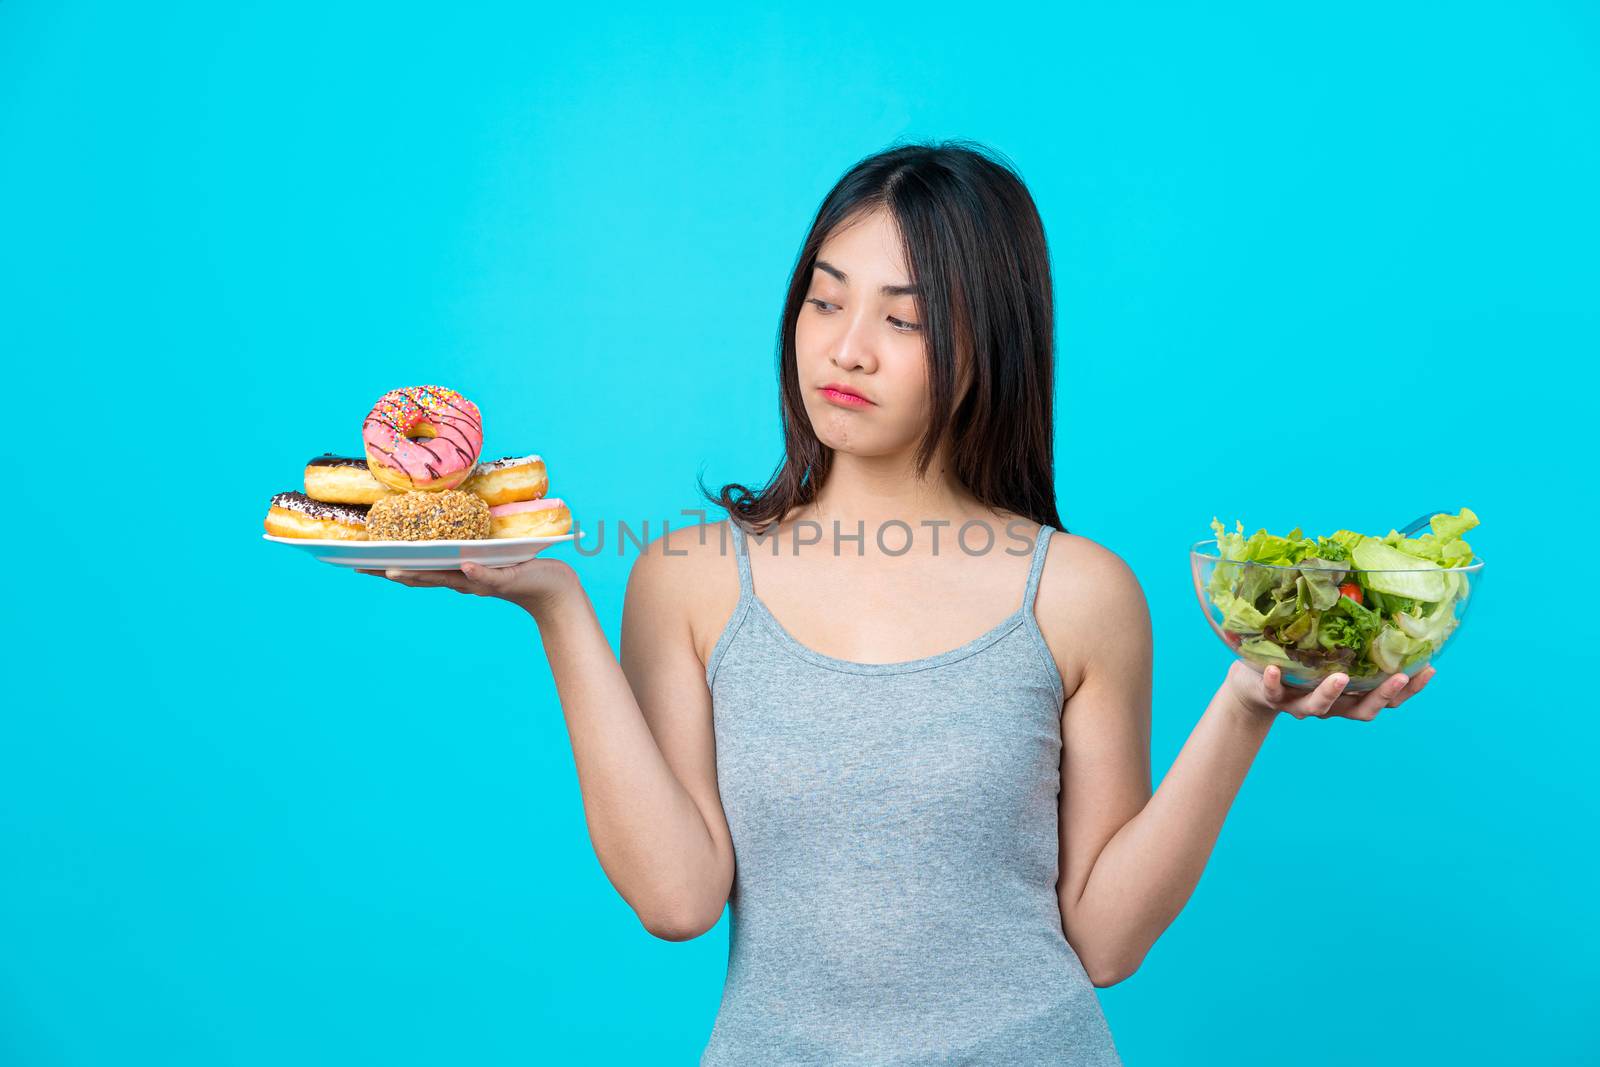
x=1321, y=587
x=1448, y=527
x=1389, y=570
x=1392, y=649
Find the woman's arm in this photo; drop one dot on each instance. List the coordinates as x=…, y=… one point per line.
x=642, y=741
x=1120, y=900
x=640, y=730
x=1130, y=860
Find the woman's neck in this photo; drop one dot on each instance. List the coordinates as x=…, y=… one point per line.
x=874, y=491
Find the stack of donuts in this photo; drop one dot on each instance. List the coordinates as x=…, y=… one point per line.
x=420, y=479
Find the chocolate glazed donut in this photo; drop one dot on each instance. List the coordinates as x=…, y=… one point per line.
x=293, y=514
x=343, y=480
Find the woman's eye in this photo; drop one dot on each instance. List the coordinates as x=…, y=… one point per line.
x=828, y=308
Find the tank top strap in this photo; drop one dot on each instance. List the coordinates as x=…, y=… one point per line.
x=741, y=553
x=1041, y=545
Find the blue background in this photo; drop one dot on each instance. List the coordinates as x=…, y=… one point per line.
x=1330, y=267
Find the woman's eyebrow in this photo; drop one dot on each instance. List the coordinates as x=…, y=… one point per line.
x=886, y=290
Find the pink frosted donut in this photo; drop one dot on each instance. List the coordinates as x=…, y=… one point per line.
x=423, y=437
x=549, y=517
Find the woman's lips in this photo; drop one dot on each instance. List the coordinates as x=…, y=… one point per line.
x=845, y=400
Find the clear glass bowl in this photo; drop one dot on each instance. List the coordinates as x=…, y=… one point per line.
x=1218, y=579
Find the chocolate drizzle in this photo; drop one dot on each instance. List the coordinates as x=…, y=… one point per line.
x=350, y=514
x=328, y=459
x=490, y=466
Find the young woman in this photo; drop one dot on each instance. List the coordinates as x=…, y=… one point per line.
x=902, y=728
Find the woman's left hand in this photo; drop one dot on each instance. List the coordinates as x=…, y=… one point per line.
x=1266, y=695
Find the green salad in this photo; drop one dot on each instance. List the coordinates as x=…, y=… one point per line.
x=1357, y=604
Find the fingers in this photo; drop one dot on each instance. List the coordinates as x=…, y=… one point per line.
x=1326, y=695
x=1329, y=700
x=1415, y=686
x=429, y=579
x=472, y=578
x=1272, y=684
x=1296, y=700
x=1319, y=702
x=1332, y=701
x=1395, y=690
x=1368, y=706
x=402, y=577
x=490, y=578
x=442, y=579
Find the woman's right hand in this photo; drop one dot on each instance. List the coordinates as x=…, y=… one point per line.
x=534, y=585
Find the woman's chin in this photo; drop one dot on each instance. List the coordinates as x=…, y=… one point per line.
x=831, y=435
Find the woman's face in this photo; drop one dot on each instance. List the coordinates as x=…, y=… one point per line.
x=861, y=328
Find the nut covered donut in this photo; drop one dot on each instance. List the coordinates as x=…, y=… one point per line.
x=423, y=437
x=447, y=515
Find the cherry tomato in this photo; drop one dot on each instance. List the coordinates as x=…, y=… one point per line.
x=1351, y=590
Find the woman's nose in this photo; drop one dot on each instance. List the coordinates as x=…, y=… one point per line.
x=854, y=346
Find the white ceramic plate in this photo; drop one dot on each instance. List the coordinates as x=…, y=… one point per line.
x=424, y=555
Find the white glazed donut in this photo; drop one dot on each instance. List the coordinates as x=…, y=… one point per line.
x=508, y=480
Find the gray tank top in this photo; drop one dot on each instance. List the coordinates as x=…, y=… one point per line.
x=895, y=840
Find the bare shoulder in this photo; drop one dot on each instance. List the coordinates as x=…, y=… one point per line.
x=1090, y=607
x=688, y=577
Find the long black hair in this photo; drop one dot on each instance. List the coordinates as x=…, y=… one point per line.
x=976, y=247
